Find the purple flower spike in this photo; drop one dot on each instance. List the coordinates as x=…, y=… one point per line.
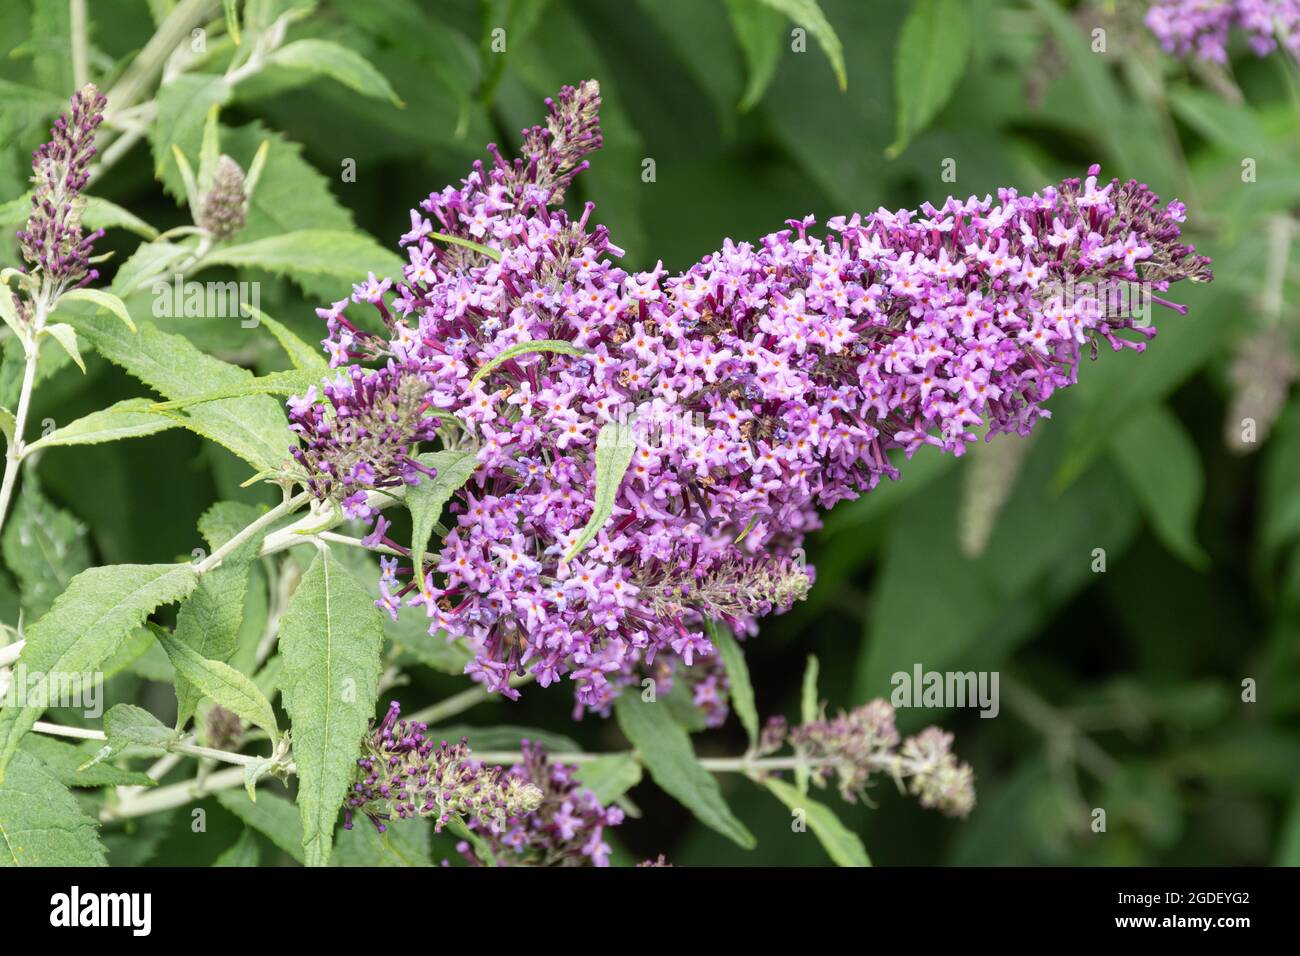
x=52, y=240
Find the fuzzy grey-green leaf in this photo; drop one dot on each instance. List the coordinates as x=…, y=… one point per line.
x=665, y=749
x=41, y=824
x=426, y=499
x=330, y=640
x=86, y=624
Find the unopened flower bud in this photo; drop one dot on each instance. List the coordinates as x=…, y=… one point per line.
x=222, y=212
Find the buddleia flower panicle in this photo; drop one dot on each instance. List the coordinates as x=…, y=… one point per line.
x=52, y=241
x=222, y=210
x=855, y=748
x=403, y=774
x=566, y=828
x=1202, y=28
x=768, y=381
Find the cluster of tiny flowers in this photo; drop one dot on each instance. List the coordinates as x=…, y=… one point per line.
x=767, y=381
x=363, y=434
x=853, y=748
x=52, y=240
x=403, y=774
x=1200, y=28
x=566, y=829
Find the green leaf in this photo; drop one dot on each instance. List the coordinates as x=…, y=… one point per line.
x=102, y=214
x=426, y=499
x=330, y=639
x=231, y=10
x=222, y=684
x=242, y=853
x=610, y=776
x=126, y=725
x=758, y=31
x=928, y=62
x=842, y=844
x=1158, y=457
x=807, y=14
x=614, y=448
x=44, y=547
x=742, y=690
x=302, y=355
x=400, y=846
x=65, y=760
x=209, y=150
x=150, y=261
x=130, y=418
x=493, y=254
x=104, y=300
x=87, y=623
x=66, y=336
x=525, y=348
x=41, y=824
x=809, y=710
x=809, y=701
x=210, y=619
x=272, y=816
x=183, y=105
x=291, y=382
x=325, y=58
x=253, y=427
x=665, y=749
x=311, y=252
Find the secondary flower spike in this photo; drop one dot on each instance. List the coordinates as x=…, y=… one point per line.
x=1201, y=28
x=404, y=774
x=52, y=240
x=768, y=381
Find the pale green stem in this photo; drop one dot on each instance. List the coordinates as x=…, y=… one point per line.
x=275, y=514
x=80, y=43
x=14, y=453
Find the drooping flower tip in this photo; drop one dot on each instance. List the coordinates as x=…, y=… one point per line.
x=856, y=747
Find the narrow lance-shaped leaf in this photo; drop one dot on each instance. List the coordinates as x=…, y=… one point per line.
x=272, y=816
x=222, y=684
x=253, y=427
x=928, y=61
x=426, y=499
x=330, y=640
x=665, y=749
x=809, y=708
x=130, y=418
x=742, y=690
x=301, y=354
x=290, y=382
x=808, y=15
x=614, y=448
x=841, y=843
x=525, y=348
x=325, y=58
x=87, y=623
x=209, y=621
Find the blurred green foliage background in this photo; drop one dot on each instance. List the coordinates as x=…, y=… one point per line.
x=1121, y=690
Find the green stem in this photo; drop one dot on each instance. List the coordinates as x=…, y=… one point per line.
x=275, y=514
